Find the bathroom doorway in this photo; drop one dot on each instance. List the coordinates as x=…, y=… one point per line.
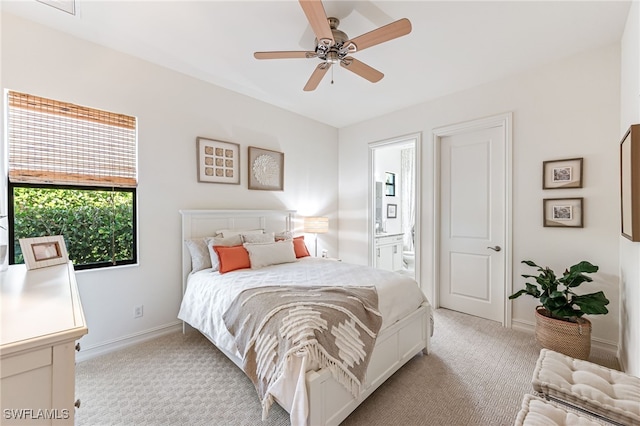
x=394, y=217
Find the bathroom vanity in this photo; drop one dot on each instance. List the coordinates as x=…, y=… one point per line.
x=388, y=252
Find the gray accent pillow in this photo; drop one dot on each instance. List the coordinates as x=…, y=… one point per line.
x=200, y=258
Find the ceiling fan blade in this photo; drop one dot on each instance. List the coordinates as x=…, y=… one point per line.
x=284, y=54
x=317, y=18
x=362, y=69
x=316, y=76
x=388, y=32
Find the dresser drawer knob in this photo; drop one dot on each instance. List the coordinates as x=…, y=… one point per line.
x=77, y=403
x=78, y=347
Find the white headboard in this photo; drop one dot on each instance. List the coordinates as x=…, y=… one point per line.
x=204, y=223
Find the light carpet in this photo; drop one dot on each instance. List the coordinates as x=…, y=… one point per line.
x=477, y=374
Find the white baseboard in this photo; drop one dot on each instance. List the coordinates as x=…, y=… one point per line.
x=605, y=345
x=123, y=342
x=523, y=326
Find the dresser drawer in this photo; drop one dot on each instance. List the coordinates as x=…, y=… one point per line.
x=18, y=364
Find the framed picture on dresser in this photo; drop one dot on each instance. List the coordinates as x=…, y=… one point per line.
x=40, y=252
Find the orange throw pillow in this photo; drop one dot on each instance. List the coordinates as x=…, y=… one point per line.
x=232, y=258
x=300, y=247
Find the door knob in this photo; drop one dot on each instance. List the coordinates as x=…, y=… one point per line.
x=495, y=248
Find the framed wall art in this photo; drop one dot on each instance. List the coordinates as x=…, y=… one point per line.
x=266, y=169
x=392, y=211
x=218, y=161
x=559, y=174
x=563, y=212
x=630, y=183
x=40, y=252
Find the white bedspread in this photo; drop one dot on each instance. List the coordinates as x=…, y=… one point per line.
x=209, y=294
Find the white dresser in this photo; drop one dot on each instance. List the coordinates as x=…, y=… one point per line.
x=388, y=252
x=42, y=319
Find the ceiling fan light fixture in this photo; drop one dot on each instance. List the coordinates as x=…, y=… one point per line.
x=333, y=57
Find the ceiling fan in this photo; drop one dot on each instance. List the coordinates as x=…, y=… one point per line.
x=334, y=46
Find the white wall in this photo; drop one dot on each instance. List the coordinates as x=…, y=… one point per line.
x=565, y=109
x=172, y=110
x=629, y=353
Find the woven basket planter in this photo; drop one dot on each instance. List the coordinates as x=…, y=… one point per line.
x=569, y=338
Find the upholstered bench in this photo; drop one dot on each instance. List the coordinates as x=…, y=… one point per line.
x=602, y=391
x=536, y=411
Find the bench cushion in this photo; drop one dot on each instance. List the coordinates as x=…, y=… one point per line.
x=597, y=389
x=536, y=411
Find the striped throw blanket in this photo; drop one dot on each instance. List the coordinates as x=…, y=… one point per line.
x=333, y=326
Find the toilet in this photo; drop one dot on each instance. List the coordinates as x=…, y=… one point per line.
x=408, y=258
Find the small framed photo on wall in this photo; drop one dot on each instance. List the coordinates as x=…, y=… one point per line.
x=559, y=174
x=392, y=211
x=563, y=212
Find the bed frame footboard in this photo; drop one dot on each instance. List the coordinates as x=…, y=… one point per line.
x=330, y=403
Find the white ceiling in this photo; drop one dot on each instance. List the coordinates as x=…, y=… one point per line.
x=453, y=46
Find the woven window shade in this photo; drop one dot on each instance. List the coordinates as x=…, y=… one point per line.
x=61, y=143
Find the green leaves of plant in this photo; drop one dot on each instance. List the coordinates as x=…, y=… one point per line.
x=593, y=303
x=574, y=277
x=556, y=294
x=97, y=225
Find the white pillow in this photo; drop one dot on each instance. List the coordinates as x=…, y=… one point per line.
x=226, y=233
x=219, y=241
x=262, y=255
x=284, y=235
x=258, y=238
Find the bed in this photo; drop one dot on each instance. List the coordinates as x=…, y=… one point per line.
x=312, y=395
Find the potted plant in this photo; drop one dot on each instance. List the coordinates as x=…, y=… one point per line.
x=560, y=325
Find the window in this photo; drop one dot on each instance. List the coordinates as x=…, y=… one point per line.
x=72, y=172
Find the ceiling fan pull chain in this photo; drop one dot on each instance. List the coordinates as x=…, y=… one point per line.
x=331, y=75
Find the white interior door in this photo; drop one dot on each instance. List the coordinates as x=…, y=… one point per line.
x=472, y=221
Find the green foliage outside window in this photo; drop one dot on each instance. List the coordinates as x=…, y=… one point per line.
x=97, y=225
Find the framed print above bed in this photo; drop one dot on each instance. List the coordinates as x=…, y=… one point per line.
x=218, y=161
x=266, y=169
x=559, y=174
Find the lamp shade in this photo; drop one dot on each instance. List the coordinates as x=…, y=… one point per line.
x=316, y=225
